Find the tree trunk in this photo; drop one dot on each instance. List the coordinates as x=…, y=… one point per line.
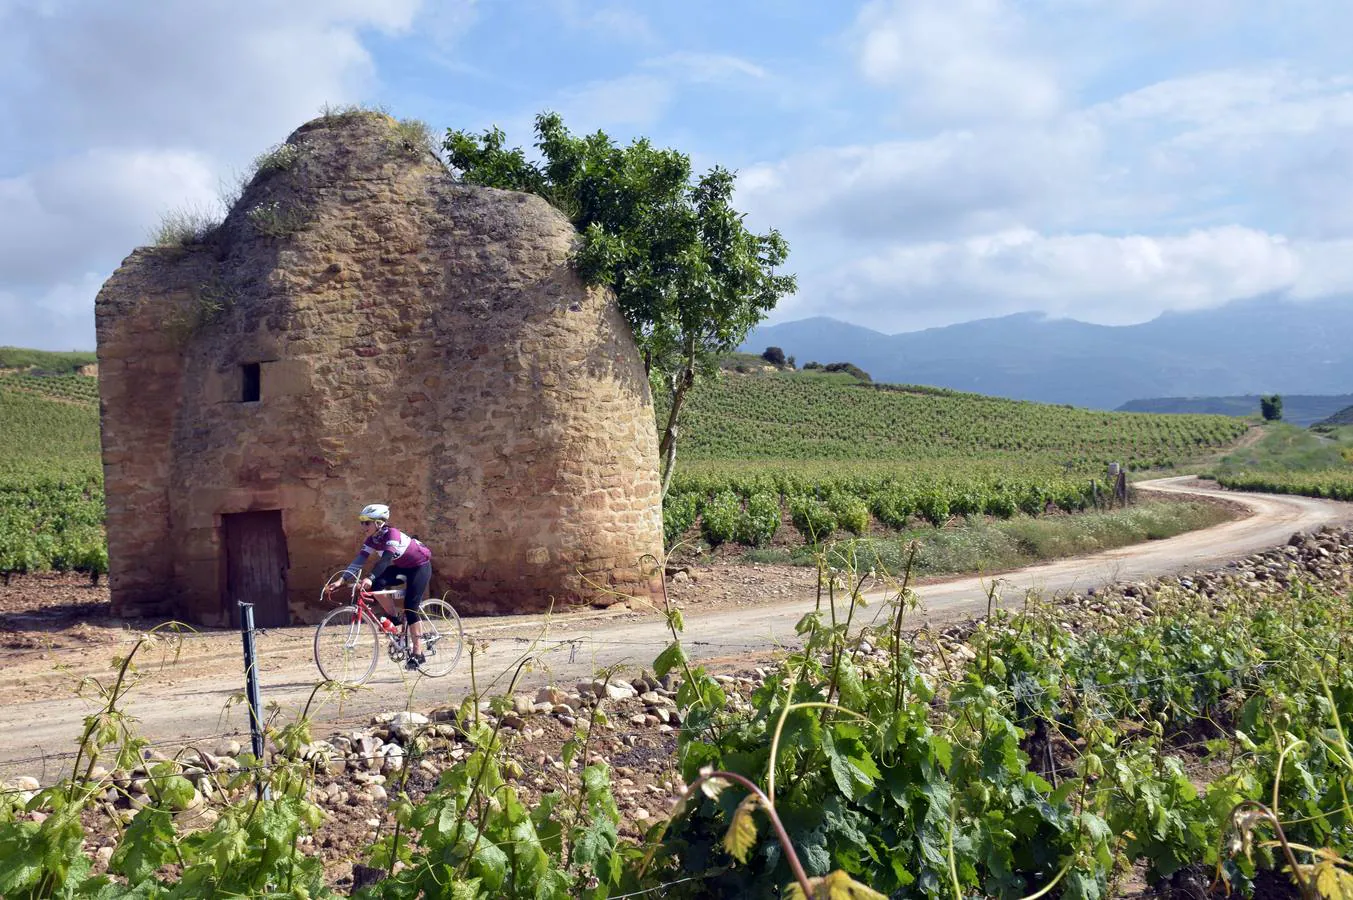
x=681, y=382
x=668, y=465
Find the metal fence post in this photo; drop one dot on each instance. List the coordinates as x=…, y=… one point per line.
x=251, y=686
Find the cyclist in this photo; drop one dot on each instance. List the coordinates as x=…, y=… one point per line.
x=400, y=554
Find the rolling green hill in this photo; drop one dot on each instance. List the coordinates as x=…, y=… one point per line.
x=840, y=453
x=816, y=443
x=1338, y=420
x=1292, y=460
x=812, y=416
x=44, y=360
x=48, y=427
x=1298, y=409
x=51, y=479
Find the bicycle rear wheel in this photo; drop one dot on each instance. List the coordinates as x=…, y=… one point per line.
x=443, y=638
x=346, y=646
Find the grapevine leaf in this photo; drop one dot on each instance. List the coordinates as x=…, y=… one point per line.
x=1332, y=883
x=850, y=685
x=548, y=829
x=19, y=872
x=466, y=890
x=836, y=886
x=147, y=845
x=713, y=787
x=1081, y=885
x=490, y=864
x=810, y=622
x=854, y=776
x=840, y=886
x=592, y=845
x=553, y=885
x=741, y=834
x=176, y=791
x=669, y=659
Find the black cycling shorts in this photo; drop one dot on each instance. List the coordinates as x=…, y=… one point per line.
x=415, y=587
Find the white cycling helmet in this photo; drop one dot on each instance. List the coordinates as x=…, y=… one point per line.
x=374, y=512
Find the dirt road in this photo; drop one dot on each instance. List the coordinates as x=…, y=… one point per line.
x=187, y=699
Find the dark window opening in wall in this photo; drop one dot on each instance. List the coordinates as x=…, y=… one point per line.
x=249, y=382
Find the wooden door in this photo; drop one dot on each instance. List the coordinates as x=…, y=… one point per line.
x=256, y=566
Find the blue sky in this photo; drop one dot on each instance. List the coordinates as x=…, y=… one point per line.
x=930, y=161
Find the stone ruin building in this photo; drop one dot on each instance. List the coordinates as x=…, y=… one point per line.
x=362, y=328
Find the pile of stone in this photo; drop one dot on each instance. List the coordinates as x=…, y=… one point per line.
x=1323, y=558
x=355, y=767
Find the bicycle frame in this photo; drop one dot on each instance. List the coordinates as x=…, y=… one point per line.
x=442, y=638
x=369, y=607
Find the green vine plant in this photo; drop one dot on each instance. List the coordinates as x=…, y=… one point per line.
x=473, y=836
x=250, y=849
x=865, y=764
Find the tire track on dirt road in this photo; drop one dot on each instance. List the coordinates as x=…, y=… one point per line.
x=182, y=700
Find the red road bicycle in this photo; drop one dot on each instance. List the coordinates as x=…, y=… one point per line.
x=348, y=640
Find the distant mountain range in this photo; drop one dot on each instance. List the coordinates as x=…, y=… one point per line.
x=1250, y=347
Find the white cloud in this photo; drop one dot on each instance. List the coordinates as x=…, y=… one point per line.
x=639, y=99
x=130, y=110
x=955, y=182
x=704, y=68
x=232, y=76
x=611, y=21
x=956, y=59
x=636, y=100
x=85, y=210
x=1093, y=277
x=1180, y=194
x=59, y=317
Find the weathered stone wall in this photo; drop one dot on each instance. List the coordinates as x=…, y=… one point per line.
x=420, y=343
x=140, y=365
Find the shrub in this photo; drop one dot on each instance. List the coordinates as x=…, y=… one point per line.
x=967, y=501
x=1072, y=497
x=277, y=159
x=1001, y=505
x=760, y=520
x=413, y=138
x=774, y=355
x=184, y=226
x=678, y=514
x=813, y=518
x=933, y=506
x=719, y=522
x=851, y=513
x=892, y=507
x=1271, y=407
x=850, y=368
x=811, y=365
x=344, y=111
x=1032, y=500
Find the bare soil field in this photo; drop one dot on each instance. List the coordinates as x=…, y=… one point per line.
x=55, y=630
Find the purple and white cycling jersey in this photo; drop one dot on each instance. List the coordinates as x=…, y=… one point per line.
x=405, y=552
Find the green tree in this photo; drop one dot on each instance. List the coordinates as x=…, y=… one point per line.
x=1271, y=405
x=687, y=274
x=774, y=355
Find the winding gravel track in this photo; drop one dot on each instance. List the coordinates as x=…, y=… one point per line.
x=185, y=700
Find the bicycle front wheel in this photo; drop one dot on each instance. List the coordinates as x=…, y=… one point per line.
x=443, y=638
x=346, y=646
